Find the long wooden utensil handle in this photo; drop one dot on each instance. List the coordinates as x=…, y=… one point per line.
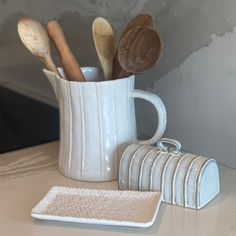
x=50, y=65
x=70, y=65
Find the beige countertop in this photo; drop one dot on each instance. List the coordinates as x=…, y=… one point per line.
x=27, y=175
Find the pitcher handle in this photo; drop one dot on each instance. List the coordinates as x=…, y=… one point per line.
x=161, y=113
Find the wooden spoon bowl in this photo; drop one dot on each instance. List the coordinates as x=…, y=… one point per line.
x=34, y=36
x=139, y=49
x=140, y=20
x=104, y=41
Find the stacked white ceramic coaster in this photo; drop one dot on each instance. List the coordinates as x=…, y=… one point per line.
x=184, y=179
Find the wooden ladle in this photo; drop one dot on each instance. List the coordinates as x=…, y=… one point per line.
x=34, y=36
x=70, y=65
x=139, y=49
x=140, y=20
x=104, y=41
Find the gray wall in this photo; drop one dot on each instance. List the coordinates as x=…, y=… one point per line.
x=195, y=77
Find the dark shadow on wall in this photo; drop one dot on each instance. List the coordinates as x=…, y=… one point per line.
x=25, y=122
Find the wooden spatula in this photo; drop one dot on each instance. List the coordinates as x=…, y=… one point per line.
x=104, y=41
x=140, y=20
x=34, y=36
x=71, y=66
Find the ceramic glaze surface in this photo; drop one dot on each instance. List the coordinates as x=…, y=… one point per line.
x=90, y=206
x=97, y=122
x=184, y=179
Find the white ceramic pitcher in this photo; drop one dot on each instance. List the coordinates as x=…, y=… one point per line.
x=97, y=123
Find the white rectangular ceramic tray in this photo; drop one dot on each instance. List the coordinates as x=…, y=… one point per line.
x=103, y=207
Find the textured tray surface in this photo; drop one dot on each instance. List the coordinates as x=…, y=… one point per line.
x=105, y=207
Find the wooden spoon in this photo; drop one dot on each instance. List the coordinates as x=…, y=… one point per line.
x=140, y=20
x=71, y=67
x=104, y=41
x=34, y=36
x=139, y=49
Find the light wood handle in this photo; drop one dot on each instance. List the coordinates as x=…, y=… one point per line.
x=69, y=63
x=50, y=65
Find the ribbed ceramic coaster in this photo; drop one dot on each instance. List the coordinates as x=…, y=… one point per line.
x=104, y=207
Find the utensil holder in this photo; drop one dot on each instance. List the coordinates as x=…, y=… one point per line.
x=184, y=179
x=97, y=122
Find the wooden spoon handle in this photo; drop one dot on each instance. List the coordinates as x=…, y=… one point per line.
x=50, y=65
x=70, y=65
x=118, y=71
